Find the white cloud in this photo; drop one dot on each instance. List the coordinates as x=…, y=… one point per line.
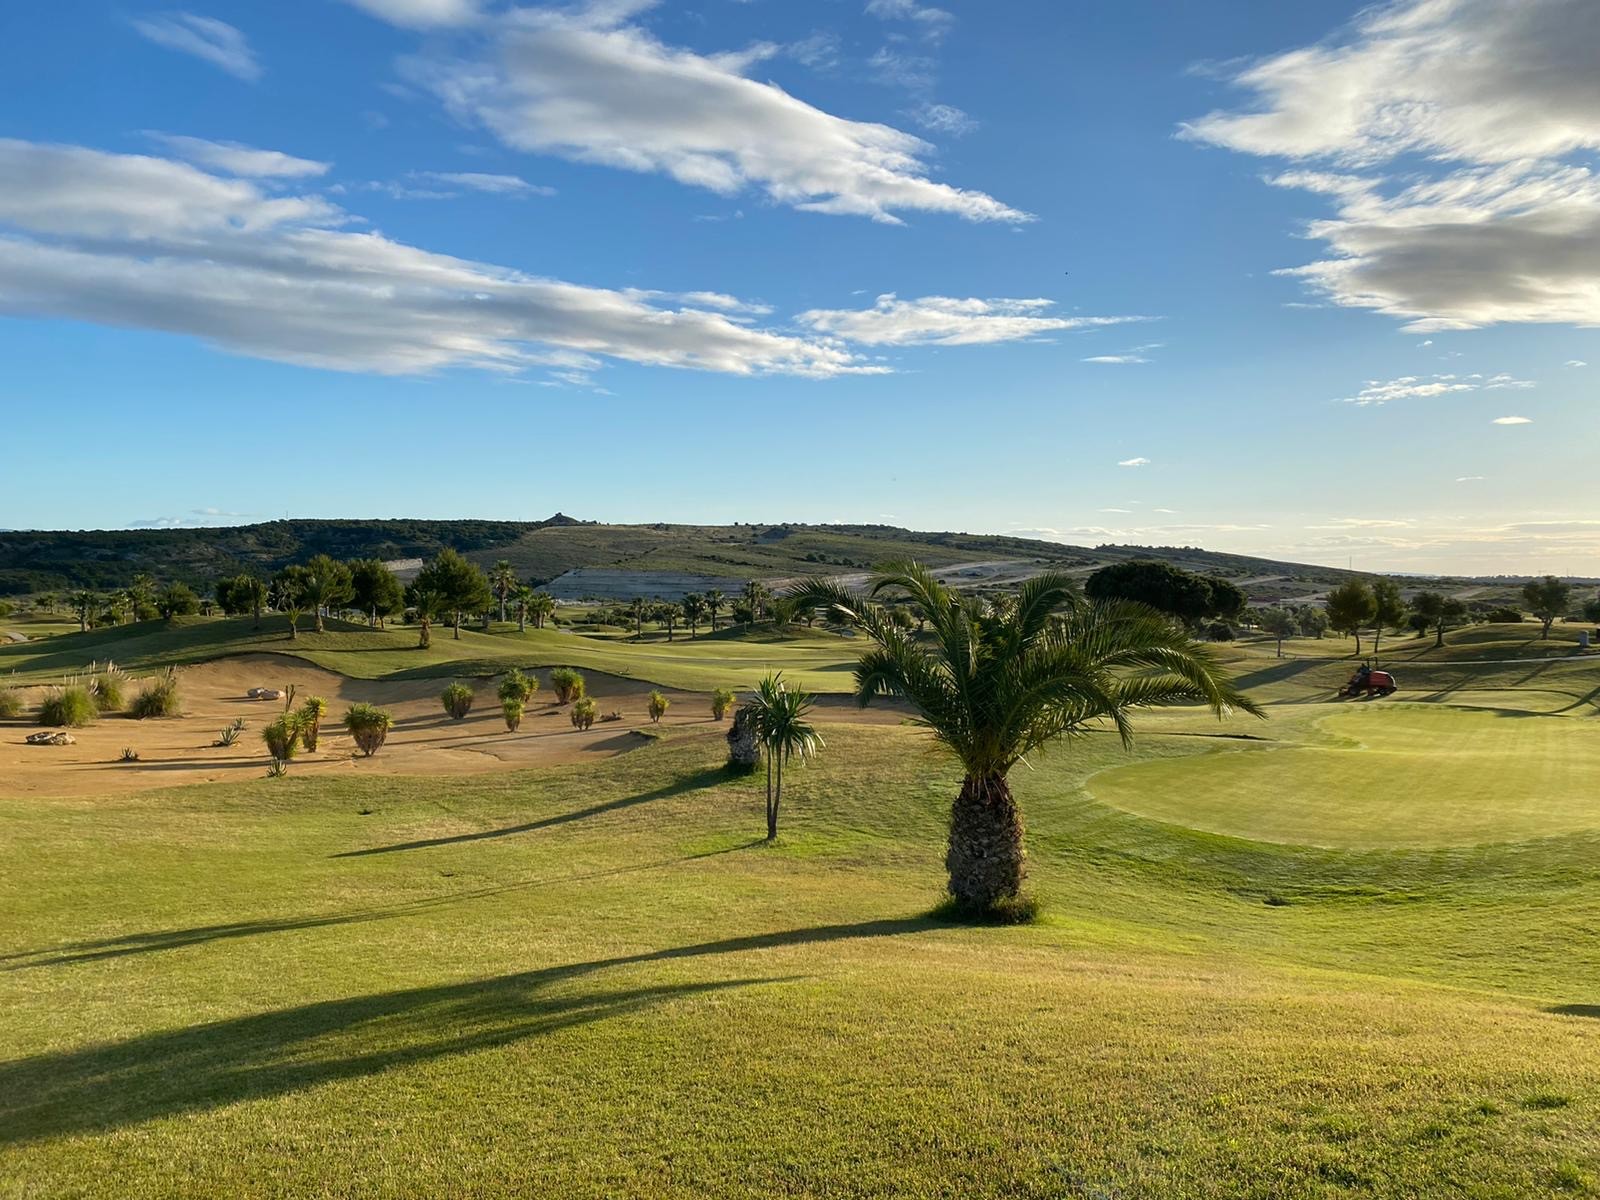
x=946, y=321
x=1469, y=478
x=1134, y=462
x=206, y=38
x=232, y=158
x=421, y=14
x=1487, y=107
x=478, y=181
x=943, y=118
x=1411, y=387
x=1513, y=421
x=932, y=22
x=1117, y=359
x=1576, y=362
x=589, y=86
x=149, y=243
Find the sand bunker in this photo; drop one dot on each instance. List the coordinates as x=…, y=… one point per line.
x=424, y=741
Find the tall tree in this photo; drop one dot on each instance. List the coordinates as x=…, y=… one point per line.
x=694, y=611
x=327, y=585
x=1591, y=610
x=667, y=616
x=1280, y=623
x=1548, y=599
x=84, y=602
x=715, y=603
x=640, y=610
x=541, y=607
x=1438, y=612
x=461, y=586
x=520, y=599
x=1388, y=609
x=375, y=590
x=783, y=733
x=1351, y=607
x=503, y=581
x=756, y=595
x=243, y=594
x=290, y=588
x=142, y=597
x=994, y=686
x=1160, y=585
x=177, y=600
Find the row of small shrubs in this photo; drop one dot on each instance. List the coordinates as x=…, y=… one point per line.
x=302, y=728
x=78, y=700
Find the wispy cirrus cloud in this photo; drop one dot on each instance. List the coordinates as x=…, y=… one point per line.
x=592, y=85
x=1512, y=421
x=1412, y=387
x=1134, y=462
x=1451, y=138
x=234, y=158
x=205, y=38
x=947, y=321
x=422, y=14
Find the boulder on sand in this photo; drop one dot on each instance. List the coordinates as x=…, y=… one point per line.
x=46, y=738
x=260, y=693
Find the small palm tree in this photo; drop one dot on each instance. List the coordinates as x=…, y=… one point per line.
x=783, y=732
x=715, y=603
x=503, y=582
x=994, y=685
x=667, y=616
x=694, y=611
x=521, y=598
x=756, y=596
x=541, y=607
x=639, y=609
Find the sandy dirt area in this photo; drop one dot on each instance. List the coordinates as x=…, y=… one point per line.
x=424, y=740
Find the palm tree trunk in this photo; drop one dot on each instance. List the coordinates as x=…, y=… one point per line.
x=772, y=813
x=985, y=859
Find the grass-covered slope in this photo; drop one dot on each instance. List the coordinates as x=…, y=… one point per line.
x=594, y=982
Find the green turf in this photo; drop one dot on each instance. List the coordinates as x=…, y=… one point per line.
x=592, y=981
x=1389, y=775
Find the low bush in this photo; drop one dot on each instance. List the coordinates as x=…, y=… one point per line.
x=1503, y=616
x=457, y=700
x=511, y=710
x=369, y=725
x=10, y=704
x=69, y=705
x=108, y=690
x=129, y=755
x=517, y=686
x=282, y=737
x=658, y=706
x=568, y=684
x=721, y=701
x=584, y=712
x=311, y=714
x=158, y=697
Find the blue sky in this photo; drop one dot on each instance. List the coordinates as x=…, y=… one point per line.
x=1309, y=281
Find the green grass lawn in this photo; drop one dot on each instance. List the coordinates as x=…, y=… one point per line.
x=594, y=982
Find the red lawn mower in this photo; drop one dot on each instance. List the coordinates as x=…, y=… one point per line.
x=1372, y=683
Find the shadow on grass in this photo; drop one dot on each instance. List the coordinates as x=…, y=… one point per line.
x=1576, y=1010
x=177, y=939
x=268, y=1054
x=687, y=783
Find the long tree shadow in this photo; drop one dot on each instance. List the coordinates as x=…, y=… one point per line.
x=146, y=942
x=268, y=1054
x=686, y=783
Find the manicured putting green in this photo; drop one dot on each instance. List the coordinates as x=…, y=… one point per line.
x=1387, y=776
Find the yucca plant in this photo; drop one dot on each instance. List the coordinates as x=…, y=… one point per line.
x=282, y=737
x=721, y=701
x=511, y=710
x=995, y=684
x=230, y=733
x=584, y=712
x=457, y=700
x=568, y=684
x=657, y=708
x=517, y=686
x=369, y=726
x=311, y=713
x=781, y=728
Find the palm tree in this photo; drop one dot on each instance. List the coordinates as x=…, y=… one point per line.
x=994, y=685
x=715, y=602
x=503, y=579
x=639, y=609
x=694, y=611
x=83, y=603
x=540, y=607
x=667, y=614
x=522, y=596
x=783, y=732
x=756, y=596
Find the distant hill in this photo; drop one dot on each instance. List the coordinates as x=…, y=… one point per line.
x=619, y=556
